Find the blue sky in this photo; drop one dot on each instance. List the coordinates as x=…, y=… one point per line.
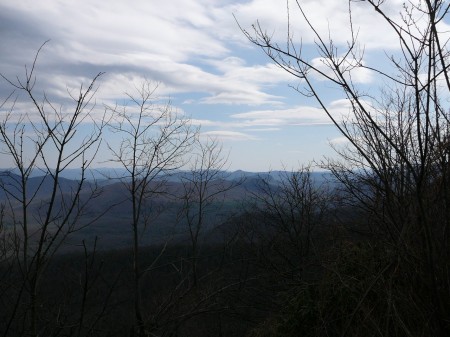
x=203, y=62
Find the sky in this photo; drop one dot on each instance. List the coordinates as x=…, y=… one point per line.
x=203, y=62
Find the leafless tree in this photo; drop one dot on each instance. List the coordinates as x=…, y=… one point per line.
x=155, y=140
x=44, y=140
x=292, y=210
x=205, y=186
x=396, y=163
x=196, y=283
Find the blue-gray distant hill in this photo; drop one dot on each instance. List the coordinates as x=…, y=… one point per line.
x=113, y=202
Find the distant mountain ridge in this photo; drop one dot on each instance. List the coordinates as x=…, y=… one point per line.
x=37, y=186
x=112, y=228
x=113, y=174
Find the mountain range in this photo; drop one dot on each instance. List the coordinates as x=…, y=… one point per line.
x=109, y=207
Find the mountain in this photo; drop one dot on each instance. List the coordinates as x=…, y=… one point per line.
x=108, y=212
x=37, y=186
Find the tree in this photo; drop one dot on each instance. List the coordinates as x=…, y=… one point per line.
x=155, y=140
x=205, y=185
x=396, y=165
x=37, y=215
x=197, y=271
x=276, y=240
x=292, y=209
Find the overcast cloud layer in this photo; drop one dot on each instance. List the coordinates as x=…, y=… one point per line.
x=197, y=52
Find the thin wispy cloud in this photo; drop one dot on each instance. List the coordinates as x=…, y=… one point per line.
x=168, y=42
x=300, y=115
x=229, y=135
x=194, y=49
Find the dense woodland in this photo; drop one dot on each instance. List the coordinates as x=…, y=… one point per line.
x=158, y=251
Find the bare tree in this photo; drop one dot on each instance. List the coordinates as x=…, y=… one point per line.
x=204, y=188
x=155, y=140
x=396, y=164
x=197, y=283
x=45, y=141
x=291, y=209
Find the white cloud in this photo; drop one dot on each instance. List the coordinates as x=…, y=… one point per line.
x=192, y=47
x=329, y=18
x=350, y=68
x=246, y=96
x=224, y=135
x=264, y=129
x=185, y=44
x=293, y=116
x=338, y=141
x=167, y=43
x=299, y=115
x=205, y=122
